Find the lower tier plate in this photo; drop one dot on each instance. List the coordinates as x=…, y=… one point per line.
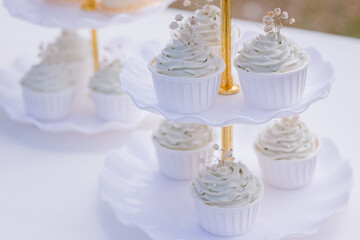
x=82, y=119
x=141, y=196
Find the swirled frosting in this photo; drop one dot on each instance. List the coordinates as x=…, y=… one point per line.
x=186, y=56
x=70, y=47
x=48, y=77
x=208, y=25
x=183, y=136
x=106, y=80
x=286, y=139
x=227, y=185
x=270, y=53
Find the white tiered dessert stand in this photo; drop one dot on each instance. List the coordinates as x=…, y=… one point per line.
x=141, y=196
x=70, y=17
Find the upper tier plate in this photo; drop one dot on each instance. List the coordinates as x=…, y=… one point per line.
x=82, y=119
x=136, y=80
x=140, y=195
x=71, y=16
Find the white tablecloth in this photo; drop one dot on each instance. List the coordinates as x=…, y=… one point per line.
x=49, y=182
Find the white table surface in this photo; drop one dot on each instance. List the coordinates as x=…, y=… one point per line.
x=49, y=182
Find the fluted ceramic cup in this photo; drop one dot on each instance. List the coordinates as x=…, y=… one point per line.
x=114, y=107
x=186, y=95
x=181, y=164
x=273, y=91
x=288, y=174
x=226, y=222
x=49, y=106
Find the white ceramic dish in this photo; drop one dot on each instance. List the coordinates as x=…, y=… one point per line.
x=187, y=95
x=227, y=222
x=139, y=195
x=181, y=164
x=273, y=91
x=71, y=16
x=83, y=118
x=288, y=174
x=136, y=80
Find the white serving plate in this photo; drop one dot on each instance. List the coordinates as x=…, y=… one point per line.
x=136, y=80
x=83, y=118
x=141, y=196
x=71, y=16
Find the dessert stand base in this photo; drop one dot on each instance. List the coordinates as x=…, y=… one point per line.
x=82, y=119
x=141, y=196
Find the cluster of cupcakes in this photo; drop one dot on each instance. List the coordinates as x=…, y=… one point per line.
x=272, y=72
x=50, y=87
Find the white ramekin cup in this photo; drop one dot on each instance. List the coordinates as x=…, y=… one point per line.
x=181, y=164
x=288, y=174
x=226, y=222
x=274, y=90
x=186, y=95
x=48, y=106
x=114, y=107
x=216, y=49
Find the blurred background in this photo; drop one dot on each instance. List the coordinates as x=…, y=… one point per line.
x=332, y=16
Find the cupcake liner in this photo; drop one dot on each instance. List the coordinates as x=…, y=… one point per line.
x=48, y=106
x=287, y=174
x=187, y=95
x=114, y=107
x=181, y=164
x=226, y=222
x=234, y=46
x=273, y=91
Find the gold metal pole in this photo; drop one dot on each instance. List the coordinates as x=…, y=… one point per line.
x=227, y=86
x=95, y=49
x=91, y=6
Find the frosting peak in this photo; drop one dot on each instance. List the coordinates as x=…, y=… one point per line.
x=187, y=55
x=106, y=80
x=48, y=76
x=70, y=47
x=182, y=136
x=208, y=25
x=286, y=139
x=270, y=53
x=228, y=184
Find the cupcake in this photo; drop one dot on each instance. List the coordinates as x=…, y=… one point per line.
x=287, y=152
x=272, y=69
x=186, y=74
x=48, y=90
x=208, y=26
x=75, y=52
x=226, y=196
x=181, y=148
x=110, y=102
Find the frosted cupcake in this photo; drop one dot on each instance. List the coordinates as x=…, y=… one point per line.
x=226, y=196
x=48, y=90
x=272, y=69
x=110, y=102
x=186, y=74
x=181, y=147
x=287, y=152
x=208, y=27
x=74, y=52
